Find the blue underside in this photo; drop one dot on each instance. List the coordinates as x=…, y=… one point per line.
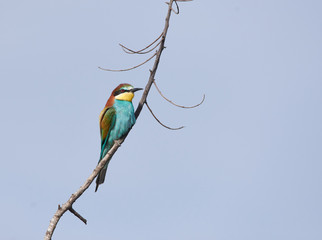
x=125, y=119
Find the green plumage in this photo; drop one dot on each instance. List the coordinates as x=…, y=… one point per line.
x=116, y=120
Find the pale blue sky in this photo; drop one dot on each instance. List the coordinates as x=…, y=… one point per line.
x=246, y=167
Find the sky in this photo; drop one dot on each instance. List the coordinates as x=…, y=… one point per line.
x=247, y=165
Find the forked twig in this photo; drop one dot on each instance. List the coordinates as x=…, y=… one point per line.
x=140, y=51
x=176, y=12
x=128, y=69
x=146, y=103
x=203, y=99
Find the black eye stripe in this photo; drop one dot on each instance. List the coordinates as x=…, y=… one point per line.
x=120, y=91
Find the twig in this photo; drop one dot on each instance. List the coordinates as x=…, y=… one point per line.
x=77, y=215
x=177, y=7
x=139, y=51
x=176, y=12
x=128, y=69
x=203, y=99
x=146, y=103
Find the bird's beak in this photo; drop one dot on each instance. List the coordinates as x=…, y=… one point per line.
x=136, y=89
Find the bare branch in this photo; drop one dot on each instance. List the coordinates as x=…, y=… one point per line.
x=68, y=205
x=128, y=69
x=176, y=12
x=203, y=99
x=140, y=51
x=77, y=215
x=160, y=121
x=156, y=63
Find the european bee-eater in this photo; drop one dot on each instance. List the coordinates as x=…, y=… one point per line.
x=116, y=120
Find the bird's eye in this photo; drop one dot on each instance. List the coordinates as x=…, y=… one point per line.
x=122, y=90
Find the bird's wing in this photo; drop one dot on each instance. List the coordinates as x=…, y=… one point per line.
x=107, y=122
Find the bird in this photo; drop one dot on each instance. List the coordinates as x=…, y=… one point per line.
x=115, y=120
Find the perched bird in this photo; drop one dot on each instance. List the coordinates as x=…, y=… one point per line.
x=116, y=120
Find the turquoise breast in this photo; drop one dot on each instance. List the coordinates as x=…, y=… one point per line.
x=125, y=119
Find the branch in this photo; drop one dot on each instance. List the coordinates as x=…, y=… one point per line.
x=68, y=205
x=138, y=52
x=203, y=99
x=127, y=69
x=178, y=128
x=176, y=12
x=71, y=209
x=141, y=51
x=156, y=63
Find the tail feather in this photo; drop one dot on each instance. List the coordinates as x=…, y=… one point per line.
x=101, y=177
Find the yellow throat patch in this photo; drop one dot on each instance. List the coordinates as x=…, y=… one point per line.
x=127, y=96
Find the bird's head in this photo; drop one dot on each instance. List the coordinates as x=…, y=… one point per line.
x=124, y=92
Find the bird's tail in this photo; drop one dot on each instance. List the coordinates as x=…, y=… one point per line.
x=101, y=177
